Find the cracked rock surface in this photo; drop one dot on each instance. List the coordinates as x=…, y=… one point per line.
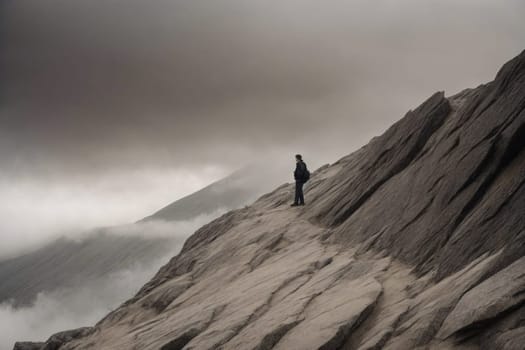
x=415, y=241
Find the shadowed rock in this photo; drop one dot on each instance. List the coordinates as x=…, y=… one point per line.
x=28, y=345
x=488, y=300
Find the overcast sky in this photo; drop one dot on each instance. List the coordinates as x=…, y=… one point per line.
x=112, y=108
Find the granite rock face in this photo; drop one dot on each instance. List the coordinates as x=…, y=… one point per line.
x=29, y=346
x=56, y=340
x=415, y=241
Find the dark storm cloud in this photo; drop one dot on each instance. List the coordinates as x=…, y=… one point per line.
x=94, y=84
x=101, y=76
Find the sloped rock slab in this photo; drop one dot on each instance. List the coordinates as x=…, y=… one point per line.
x=56, y=340
x=26, y=345
x=488, y=300
x=332, y=316
x=511, y=340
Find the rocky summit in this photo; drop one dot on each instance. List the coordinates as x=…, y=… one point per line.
x=415, y=241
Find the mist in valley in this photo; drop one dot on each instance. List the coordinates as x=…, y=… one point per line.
x=71, y=307
x=84, y=301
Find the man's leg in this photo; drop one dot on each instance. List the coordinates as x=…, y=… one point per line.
x=301, y=195
x=297, y=192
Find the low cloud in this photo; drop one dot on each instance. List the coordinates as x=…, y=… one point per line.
x=86, y=300
x=161, y=228
x=72, y=307
x=34, y=212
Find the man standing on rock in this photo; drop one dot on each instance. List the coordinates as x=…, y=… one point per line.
x=301, y=175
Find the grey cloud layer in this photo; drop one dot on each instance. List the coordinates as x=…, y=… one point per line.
x=116, y=83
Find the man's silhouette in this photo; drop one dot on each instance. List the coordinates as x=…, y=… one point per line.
x=301, y=176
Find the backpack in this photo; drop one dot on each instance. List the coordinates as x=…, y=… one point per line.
x=306, y=175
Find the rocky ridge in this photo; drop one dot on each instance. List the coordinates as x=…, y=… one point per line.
x=415, y=241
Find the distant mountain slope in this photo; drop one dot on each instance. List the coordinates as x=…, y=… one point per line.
x=68, y=262
x=415, y=241
x=233, y=191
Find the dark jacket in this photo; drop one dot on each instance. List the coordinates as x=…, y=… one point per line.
x=300, y=171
